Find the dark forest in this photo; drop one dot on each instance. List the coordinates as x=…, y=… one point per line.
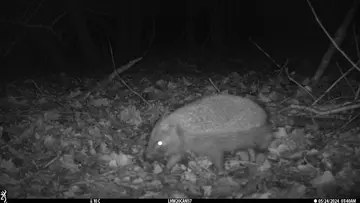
x=180, y=99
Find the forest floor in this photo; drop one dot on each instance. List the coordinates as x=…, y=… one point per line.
x=62, y=137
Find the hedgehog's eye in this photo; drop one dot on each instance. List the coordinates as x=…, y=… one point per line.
x=160, y=143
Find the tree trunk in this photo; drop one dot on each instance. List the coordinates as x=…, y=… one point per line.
x=87, y=46
x=50, y=47
x=339, y=38
x=122, y=31
x=136, y=27
x=217, y=24
x=190, y=24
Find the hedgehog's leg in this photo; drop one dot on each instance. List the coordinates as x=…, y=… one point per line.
x=263, y=138
x=174, y=159
x=217, y=157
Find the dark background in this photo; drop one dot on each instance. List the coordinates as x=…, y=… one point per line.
x=39, y=37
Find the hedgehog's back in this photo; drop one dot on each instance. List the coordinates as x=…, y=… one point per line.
x=219, y=113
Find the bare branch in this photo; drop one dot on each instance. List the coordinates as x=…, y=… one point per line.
x=328, y=35
x=266, y=54
x=332, y=86
x=326, y=112
x=298, y=84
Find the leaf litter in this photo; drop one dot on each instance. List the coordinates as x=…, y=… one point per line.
x=83, y=142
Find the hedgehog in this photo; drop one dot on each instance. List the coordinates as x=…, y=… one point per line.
x=210, y=127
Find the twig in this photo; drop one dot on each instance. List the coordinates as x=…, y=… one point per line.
x=358, y=55
x=326, y=112
x=328, y=89
x=115, y=73
x=112, y=55
x=345, y=78
x=37, y=87
x=356, y=43
x=24, y=24
x=330, y=38
x=357, y=93
x=333, y=100
x=212, y=83
x=123, y=68
x=266, y=54
x=343, y=126
x=52, y=160
x=36, y=10
x=298, y=84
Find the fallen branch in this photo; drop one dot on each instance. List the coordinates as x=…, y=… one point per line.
x=325, y=112
x=123, y=68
